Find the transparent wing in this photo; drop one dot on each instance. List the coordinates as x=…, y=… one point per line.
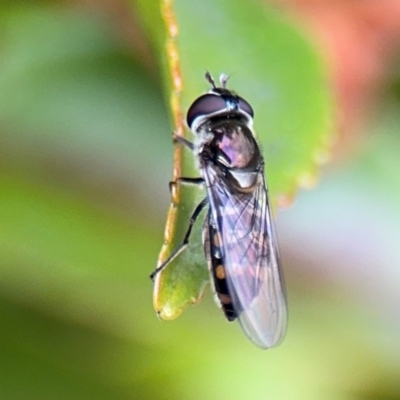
x=250, y=257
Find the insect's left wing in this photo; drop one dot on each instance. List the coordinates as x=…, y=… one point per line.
x=250, y=258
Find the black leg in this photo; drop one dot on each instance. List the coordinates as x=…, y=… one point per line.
x=186, y=181
x=183, y=141
x=185, y=241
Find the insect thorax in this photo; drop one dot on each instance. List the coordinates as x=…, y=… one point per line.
x=230, y=145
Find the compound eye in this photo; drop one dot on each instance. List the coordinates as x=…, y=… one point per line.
x=246, y=107
x=205, y=105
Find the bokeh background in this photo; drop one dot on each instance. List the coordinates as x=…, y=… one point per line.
x=85, y=157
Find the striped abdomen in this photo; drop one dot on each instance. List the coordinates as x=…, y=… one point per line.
x=212, y=249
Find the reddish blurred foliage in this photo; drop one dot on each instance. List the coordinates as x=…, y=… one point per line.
x=359, y=39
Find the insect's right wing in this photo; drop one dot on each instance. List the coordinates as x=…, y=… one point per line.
x=250, y=257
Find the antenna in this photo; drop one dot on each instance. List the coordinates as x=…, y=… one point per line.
x=210, y=80
x=223, y=78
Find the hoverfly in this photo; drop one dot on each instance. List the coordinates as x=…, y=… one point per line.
x=238, y=234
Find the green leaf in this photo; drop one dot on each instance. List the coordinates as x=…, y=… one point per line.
x=273, y=66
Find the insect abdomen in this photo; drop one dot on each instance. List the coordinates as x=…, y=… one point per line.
x=217, y=270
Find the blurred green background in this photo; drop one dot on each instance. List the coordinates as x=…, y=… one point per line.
x=85, y=157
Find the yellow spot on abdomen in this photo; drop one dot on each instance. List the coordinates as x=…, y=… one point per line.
x=225, y=299
x=220, y=272
x=216, y=240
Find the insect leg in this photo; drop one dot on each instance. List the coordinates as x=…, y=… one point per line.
x=187, y=182
x=185, y=241
x=182, y=140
